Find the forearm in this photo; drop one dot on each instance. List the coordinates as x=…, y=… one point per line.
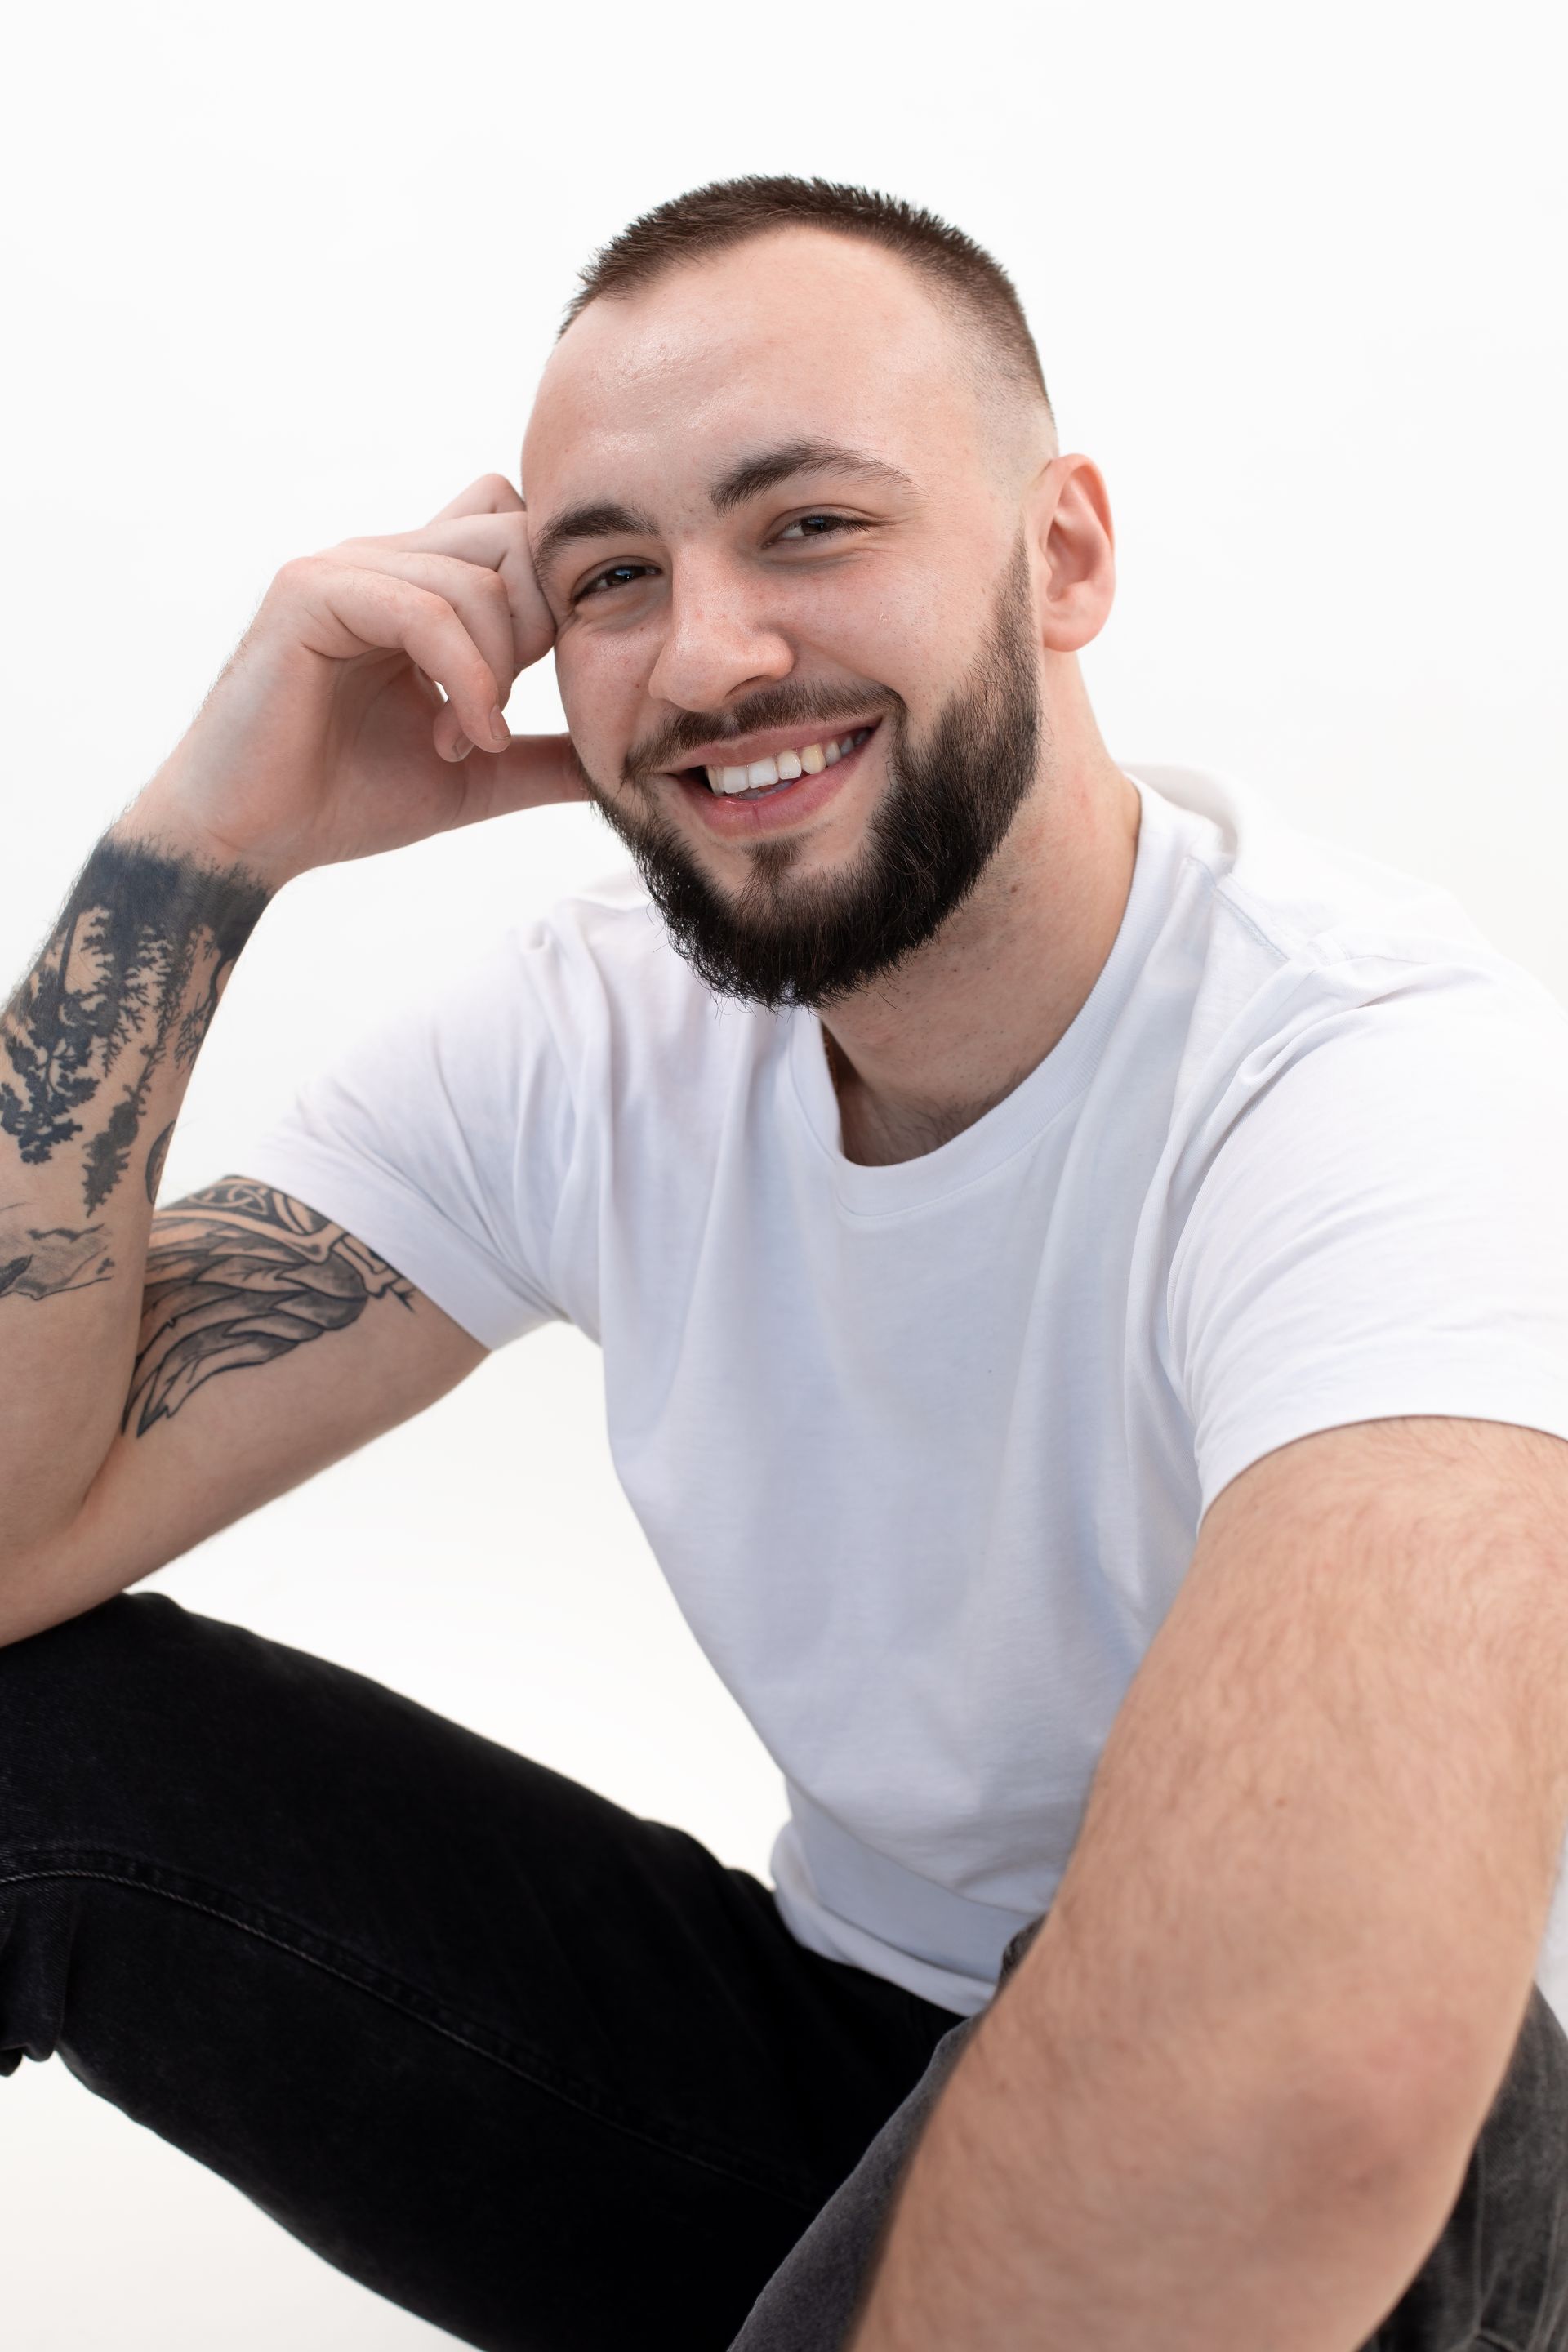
x=1229, y=2096
x=1084, y=2182
x=97, y=1046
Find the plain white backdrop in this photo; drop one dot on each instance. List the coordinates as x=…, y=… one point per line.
x=273, y=276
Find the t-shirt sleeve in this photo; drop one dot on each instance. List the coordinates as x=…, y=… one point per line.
x=1377, y=1226
x=442, y=1139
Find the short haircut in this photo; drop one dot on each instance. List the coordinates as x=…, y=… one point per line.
x=730, y=211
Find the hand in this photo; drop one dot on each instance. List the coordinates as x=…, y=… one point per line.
x=327, y=737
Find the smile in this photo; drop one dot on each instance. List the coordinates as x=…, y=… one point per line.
x=760, y=776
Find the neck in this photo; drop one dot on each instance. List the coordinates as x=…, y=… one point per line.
x=923, y=1052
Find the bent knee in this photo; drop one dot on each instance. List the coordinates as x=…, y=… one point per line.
x=79, y=1704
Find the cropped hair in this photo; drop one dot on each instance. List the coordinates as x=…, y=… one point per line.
x=730, y=211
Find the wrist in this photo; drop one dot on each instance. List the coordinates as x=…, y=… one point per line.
x=160, y=820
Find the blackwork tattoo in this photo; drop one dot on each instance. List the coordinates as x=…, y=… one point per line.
x=155, y=1159
x=37, y=1260
x=131, y=974
x=238, y=1275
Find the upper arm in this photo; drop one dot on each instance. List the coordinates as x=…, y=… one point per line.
x=273, y=1342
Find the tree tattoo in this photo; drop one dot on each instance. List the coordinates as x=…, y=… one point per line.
x=238, y=1275
x=131, y=974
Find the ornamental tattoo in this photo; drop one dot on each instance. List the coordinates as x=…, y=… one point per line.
x=130, y=975
x=237, y=1275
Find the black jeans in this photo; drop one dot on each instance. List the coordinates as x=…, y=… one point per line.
x=543, y=2073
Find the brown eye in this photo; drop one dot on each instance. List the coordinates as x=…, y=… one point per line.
x=818, y=526
x=614, y=575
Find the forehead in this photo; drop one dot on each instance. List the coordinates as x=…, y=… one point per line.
x=795, y=336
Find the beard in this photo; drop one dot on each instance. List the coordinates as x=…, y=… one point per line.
x=785, y=939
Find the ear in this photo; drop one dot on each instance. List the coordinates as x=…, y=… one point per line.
x=1072, y=551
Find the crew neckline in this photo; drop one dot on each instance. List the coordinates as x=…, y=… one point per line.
x=1052, y=1086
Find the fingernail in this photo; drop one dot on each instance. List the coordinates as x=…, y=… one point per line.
x=499, y=728
x=461, y=747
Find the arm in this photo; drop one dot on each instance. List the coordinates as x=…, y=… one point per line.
x=330, y=1347
x=326, y=737
x=1229, y=2096
x=96, y=1051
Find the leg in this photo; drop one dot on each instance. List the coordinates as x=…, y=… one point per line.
x=1496, y=2281
x=546, y=2075
x=809, y=2303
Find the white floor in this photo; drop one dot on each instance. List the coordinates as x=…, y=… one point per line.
x=115, y=2242
x=483, y=1560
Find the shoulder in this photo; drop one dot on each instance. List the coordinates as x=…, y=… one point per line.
x=1297, y=946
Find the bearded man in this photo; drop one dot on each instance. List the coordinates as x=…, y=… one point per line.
x=1084, y=1309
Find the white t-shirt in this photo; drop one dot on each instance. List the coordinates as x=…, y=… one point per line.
x=922, y=1449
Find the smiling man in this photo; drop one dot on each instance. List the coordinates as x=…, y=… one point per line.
x=1085, y=1322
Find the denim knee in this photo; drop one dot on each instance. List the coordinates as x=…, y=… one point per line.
x=62, y=1695
x=78, y=1702
x=1497, y=2276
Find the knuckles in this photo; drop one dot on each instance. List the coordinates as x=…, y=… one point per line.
x=296, y=586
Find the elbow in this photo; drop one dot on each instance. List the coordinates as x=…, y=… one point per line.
x=1388, y=2122
x=45, y=1582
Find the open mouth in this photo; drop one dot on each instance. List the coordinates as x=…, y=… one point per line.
x=760, y=780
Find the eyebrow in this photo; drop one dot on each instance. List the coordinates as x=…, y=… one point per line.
x=600, y=520
x=768, y=468
x=605, y=519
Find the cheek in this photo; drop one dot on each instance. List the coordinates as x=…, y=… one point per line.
x=907, y=633
x=601, y=678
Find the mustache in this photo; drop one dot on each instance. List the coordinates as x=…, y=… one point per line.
x=771, y=706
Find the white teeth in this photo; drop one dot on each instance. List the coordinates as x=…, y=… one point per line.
x=810, y=761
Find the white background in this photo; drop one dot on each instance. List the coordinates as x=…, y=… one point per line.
x=277, y=275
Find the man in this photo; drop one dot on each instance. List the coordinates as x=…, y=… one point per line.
x=1085, y=1323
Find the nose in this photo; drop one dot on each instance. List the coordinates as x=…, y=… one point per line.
x=717, y=643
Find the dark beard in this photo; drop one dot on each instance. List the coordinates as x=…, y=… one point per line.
x=947, y=808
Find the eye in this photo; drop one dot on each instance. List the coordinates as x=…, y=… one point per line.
x=614, y=575
x=819, y=526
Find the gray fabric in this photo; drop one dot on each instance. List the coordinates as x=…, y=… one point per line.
x=809, y=2304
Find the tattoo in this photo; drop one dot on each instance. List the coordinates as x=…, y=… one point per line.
x=155, y=1158
x=37, y=1261
x=238, y=1275
x=129, y=976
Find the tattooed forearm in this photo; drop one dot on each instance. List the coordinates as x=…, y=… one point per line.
x=152, y=1174
x=37, y=1261
x=237, y=1275
x=130, y=977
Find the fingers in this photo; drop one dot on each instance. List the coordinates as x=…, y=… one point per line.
x=499, y=543
x=491, y=494
x=469, y=597
x=359, y=610
x=478, y=596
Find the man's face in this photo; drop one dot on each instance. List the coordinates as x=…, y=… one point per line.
x=778, y=520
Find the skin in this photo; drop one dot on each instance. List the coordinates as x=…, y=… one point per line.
x=646, y=402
